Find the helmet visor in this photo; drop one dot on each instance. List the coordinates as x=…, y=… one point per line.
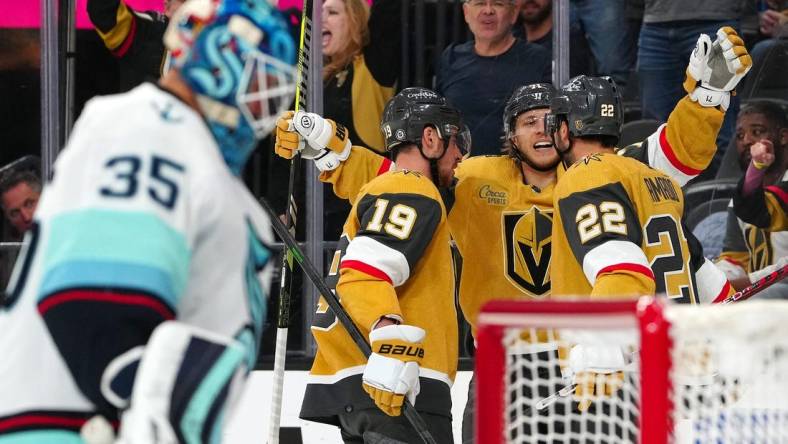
x=462, y=136
x=266, y=90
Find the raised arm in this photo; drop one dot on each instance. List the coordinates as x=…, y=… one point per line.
x=346, y=167
x=685, y=145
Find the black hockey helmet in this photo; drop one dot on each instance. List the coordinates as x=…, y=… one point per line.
x=408, y=112
x=526, y=98
x=591, y=106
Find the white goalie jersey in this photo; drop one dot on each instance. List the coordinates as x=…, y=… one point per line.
x=142, y=223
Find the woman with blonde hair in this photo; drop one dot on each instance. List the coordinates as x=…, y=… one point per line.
x=361, y=63
x=361, y=51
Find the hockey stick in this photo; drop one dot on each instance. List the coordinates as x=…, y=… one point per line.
x=288, y=266
x=550, y=400
x=331, y=299
x=765, y=282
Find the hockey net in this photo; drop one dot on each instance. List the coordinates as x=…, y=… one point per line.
x=700, y=374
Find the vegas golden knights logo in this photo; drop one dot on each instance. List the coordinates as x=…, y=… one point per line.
x=528, y=247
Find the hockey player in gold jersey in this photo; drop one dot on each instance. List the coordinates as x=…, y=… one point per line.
x=617, y=230
x=513, y=193
x=396, y=282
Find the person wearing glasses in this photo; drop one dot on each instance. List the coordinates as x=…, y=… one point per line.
x=479, y=75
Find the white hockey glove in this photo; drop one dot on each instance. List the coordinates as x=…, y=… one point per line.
x=328, y=140
x=716, y=68
x=392, y=371
x=597, y=370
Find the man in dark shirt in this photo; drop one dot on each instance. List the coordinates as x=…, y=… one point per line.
x=536, y=26
x=479, y=75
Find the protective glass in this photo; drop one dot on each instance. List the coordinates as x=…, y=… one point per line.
x=265, y=91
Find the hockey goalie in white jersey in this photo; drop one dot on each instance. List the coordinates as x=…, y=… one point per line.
x=139, y=296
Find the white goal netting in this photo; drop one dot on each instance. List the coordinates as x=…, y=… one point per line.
x=576, y=372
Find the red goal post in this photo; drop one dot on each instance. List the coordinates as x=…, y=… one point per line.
x=691, y=373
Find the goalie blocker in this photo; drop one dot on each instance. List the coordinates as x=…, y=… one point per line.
x=187, y=381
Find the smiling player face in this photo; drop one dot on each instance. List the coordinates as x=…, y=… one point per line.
x=531, y=141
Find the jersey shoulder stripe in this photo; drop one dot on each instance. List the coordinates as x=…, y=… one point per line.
x=615, y=255
x=370, y=256
x=104, y=297
x=151, y=257
x=386, y=165
x=780, y=191
x=394, y=231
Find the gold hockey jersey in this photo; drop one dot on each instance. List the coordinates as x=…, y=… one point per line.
x=618, y=233
x=766, y=208
x=750, y=247
x=503, y=227
x=394, y=259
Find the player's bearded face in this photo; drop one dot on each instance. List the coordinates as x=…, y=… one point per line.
x=529, y=138
x=449, y=162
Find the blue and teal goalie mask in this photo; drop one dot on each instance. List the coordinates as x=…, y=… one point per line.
x=237, y=56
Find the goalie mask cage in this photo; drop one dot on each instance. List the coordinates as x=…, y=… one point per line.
x=690, y=374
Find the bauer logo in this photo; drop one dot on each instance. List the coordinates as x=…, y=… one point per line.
x=341, y=132
x=527, y=248
x=401, y=350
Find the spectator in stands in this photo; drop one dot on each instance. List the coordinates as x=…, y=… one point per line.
x=19, y=193
x=535, y=25
x=750, y=252
x=133, y=37
x=479, y=75
x=758, y=120
x=770, y=55
x=772, y=23
x=755, y=201
x=605, y=25
x=667, y=37
x=361, y=49
x=361, y=64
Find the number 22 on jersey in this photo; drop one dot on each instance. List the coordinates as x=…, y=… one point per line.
x=665, y=245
